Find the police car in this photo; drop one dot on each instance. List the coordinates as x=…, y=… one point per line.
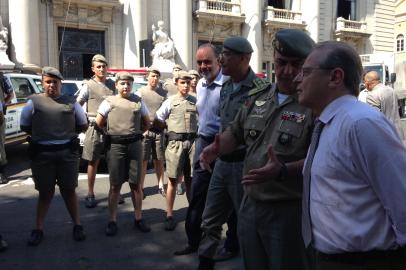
x=23, y=86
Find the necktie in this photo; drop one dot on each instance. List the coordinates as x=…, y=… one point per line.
x=306, y=222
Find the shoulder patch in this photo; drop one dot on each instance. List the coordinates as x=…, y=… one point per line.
x=260, y=85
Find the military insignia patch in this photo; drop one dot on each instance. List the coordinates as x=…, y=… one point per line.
x=260, y=103
x=293, y=116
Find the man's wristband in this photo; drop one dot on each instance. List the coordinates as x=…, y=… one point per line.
x=283, y=173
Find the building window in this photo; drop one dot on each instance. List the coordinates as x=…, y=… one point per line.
x=281, y=4
x=346, y=9
x=400, y=43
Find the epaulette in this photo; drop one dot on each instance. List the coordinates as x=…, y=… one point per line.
x=260, y=85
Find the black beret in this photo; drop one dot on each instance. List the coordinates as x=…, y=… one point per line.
x=293, y=43
x=52, y=72
x=238, y=45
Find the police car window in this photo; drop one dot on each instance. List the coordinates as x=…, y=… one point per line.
x=38, y=83
x=22, y=88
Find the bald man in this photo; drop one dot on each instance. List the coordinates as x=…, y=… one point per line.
x=383, y=98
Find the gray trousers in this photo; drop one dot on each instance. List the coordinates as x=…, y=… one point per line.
x=224, y=196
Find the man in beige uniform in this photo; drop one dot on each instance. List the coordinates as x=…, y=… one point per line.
x=153, y=96
x=180, y=114
x=93, y=93
x=272, y=124
x=169, y=84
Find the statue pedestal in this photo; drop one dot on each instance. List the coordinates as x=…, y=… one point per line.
x=5, y=63
x=164, y=65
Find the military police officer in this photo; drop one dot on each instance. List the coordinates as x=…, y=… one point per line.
x=54, y=149
x=127, y=118
x=193, y=83
x=225, y=189
x=169, y=84
x=93, y=93
x=153, y=145
x=274, y=127
x=180, y=114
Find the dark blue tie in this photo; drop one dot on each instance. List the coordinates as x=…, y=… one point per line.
x=306, y=222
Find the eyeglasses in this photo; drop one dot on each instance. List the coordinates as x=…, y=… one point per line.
x=308, y=70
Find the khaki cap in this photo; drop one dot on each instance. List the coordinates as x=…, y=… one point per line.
x=177, y=67
x=124, y=75
x=154, y=70
x=99, y=58
x=194, y=73
x=184, y=75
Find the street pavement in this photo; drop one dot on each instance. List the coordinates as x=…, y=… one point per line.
x=129, y=249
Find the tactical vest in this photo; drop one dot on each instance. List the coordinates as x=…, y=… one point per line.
x=183, y=115
x=97, y=92
x=53, y=119
x=153, y=99
x=125, y=115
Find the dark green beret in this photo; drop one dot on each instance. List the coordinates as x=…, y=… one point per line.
x=154, y=70
x=99, y=58
x=52, y=72
x=184, y=75
x=124, y=75
x=238, y=45
x=293, y=43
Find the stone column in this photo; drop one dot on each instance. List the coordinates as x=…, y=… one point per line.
x=135, y=30
x=181, y=31
x=24, y=29
x=252, y=30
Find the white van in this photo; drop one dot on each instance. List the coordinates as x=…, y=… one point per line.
x=24, y=85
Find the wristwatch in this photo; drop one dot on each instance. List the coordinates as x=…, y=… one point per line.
x=283, y=173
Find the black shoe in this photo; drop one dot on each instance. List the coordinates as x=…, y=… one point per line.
x=187, y=250
x=35, y=237
x=121, y=200
x=111, y=229
x=79, y=233
x=3, y=244
x=142, y=226
x=90, y=201
x=170, y=224
x=223, y=255
x=205, y=263
x=3, y=179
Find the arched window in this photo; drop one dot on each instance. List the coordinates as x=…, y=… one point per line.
x=400, y=43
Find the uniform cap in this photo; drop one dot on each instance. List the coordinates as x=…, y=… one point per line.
x=194, y=73
x=52, y=72
x=99, y=58
x=184, y=75
x=124, y=75
x=177, y=67
x=293, y=43
x=154, y=70
x=238, y=45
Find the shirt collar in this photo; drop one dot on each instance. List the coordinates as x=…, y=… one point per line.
x=218, y=81
x=335, y=107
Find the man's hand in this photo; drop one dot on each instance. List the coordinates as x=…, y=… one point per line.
x=210, y=153
x=271, y=170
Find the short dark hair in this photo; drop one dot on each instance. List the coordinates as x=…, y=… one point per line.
x=211, y=46
x=341, y=55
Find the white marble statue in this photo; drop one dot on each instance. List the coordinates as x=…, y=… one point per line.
x=163, y=54
x=4, y=61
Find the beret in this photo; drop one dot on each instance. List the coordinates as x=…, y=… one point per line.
x=194, y=73
x=52, y=72
x=184, y=75
x=99, y=58
x=293, y=43
x=238, y=45
x=124, y=75
x=154, y=70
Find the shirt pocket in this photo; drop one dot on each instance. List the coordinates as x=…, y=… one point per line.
x=288, y=135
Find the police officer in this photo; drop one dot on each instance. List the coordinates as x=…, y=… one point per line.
x=180, y=114
x=93, y=93
x=169, y=84
x=153, y=145
x=126, y=117
x=6, y=94
x=225, y=189
x=54, y=149
x=193, y=83
x=274, y=127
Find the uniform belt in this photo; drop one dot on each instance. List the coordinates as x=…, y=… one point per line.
x=72, y=144
x=124, y=139
x=172, y=136
x=236, y=156
x=359, y=258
